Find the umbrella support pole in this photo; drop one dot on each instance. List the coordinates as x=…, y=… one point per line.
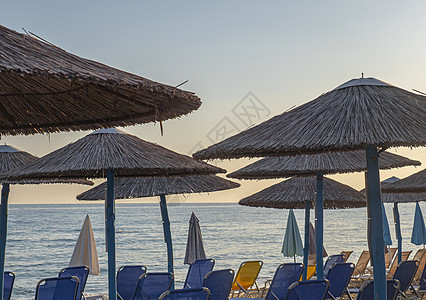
x=167, y=234
x=110, y=215
x=376, y=240
x=306, y=249
x=319, y=214
x=3, y=231
x=398, y=230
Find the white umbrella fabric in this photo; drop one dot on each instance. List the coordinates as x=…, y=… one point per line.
x=85, y=253
x=194, y=244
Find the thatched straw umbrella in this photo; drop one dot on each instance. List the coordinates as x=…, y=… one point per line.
x=363, y=113
x=46, y=89
x=310, y=165
x=415, y=183
x=395, y=198
x=11, y=158
x=109, y=153
x=140, y=187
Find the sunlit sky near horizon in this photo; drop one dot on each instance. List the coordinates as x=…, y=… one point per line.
x=277, y=53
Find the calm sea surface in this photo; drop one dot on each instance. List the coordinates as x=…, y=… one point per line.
x=41, y=238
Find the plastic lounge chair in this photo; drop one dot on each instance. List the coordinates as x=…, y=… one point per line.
x=309, y=289
x=362, y=263
x=219, y=283
x=63, y=288
x=198, y=269
x=389, y=256
x=421, y=289
x=8, y=280
x=246, y=277
x=151, y=285
x=309, y=273
x=331, y=260
x=339, y=277
x=186, y=294
x=346, y=254
x=127, y=280
x=285, y=275
x=394, y=266
x=421, y=257
x=81, y=272
x=405, y=274
x=367, y=290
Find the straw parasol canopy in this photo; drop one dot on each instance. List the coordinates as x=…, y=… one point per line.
x=94, y=154
x=139, y=187
x=390, y=197
x=12, y=158
x=310, y=164
x=358, y=113
x=43, y=88
x=415, y=183
x=294, y=192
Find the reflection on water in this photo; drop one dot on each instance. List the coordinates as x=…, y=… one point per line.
x=41, y=238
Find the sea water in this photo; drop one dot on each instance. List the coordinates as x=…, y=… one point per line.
x=41, y=238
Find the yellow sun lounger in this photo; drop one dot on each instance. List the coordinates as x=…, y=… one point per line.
x=310, y=272
x=246, y=277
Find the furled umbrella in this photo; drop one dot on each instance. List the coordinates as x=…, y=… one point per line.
x=109, y=153
x=418, y=235
x=388, y=196
x=11, y=158
x=194, y=244
x=43, y=88
x=299, y=192
x=85, y=252
x=140, y=187
x=316, y=164
x=292, y=244
x=386, y=230
x=312, y=242
x=361, y=114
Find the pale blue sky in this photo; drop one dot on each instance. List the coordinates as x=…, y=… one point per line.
x=286, y=53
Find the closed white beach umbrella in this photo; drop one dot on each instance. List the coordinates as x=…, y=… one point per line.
x=194, y=245
x=85, y=252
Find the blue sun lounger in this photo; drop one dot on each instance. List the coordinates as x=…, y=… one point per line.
x=309, y=289
x=196, y=272
x=219, y=283
x=81, y=272
x=151, y=285
x=186, y=294
x=8, y=280
x=127, y=280
x=63, y=288
x=339, y=277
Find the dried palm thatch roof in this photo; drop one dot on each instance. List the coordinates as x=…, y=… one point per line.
x=415, y=183
x=46, y=89
x=11, y=158
x=140, y=187
x=389, y=197
x=294, y=192
x=309, y=164
x=94, y=154
x=358, y=113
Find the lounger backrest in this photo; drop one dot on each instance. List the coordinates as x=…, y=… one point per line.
x=389, y=256
x=64, y=288
x=421, y=257
x=422, y=281
x=309, y=289
x=247, y=274
x=219, y=283
x=81, y=272
x=186, y=294
x=332, y=259
x=405, y=273
x=196, y=273
x=285, y=275
x=127, y=280
x=8, y=280
x=152, y=285
x=404, y=257
x=362, y=263
x=346, y=254
x=339, y=276
x=367, y=290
